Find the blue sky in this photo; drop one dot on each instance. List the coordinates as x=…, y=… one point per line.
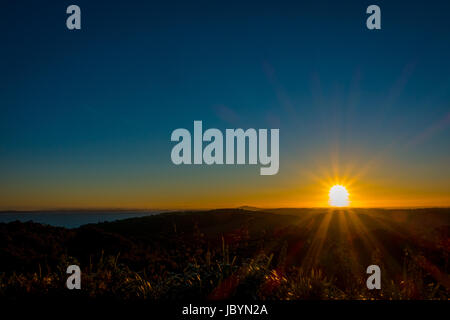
x=86, y=116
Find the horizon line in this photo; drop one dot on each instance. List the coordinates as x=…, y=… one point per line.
x=244, y=207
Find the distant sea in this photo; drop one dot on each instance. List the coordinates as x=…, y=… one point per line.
x=72, y=219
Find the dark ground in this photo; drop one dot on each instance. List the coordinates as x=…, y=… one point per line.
x=277, y=254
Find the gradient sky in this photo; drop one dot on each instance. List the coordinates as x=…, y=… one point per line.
x=86, y=116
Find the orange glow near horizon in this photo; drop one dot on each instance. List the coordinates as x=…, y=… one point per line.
x=308, y=187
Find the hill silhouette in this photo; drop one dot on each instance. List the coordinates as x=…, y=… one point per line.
x=278, y=254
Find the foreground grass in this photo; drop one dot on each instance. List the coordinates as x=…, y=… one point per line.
x=283, y=258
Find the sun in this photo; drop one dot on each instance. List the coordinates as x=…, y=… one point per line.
x=338, y=196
